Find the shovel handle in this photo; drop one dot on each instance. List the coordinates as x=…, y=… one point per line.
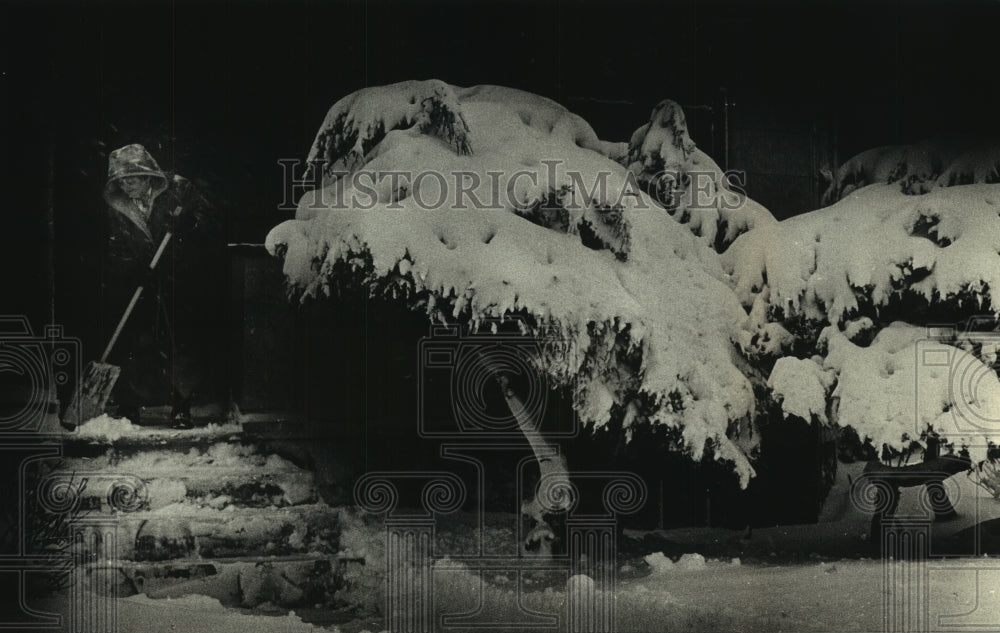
x=137, y=293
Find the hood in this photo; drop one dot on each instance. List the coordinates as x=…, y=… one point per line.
x=131, y=160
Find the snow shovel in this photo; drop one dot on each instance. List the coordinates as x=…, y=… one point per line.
x=98, y=379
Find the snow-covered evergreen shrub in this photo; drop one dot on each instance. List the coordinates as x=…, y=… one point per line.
x=643, y=305
x=819, y=318
x=916, y=169
x=867, y=278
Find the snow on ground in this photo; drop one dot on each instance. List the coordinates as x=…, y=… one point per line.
x=710, y=580
x=200, y=613
x=107, y=428
x=194, y=614
x=783, y=578
x=647, y=277
x=722, y=596
x=823, y=596
x=842, y=595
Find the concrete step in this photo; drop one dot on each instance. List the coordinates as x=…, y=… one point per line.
x=96, y=435
x=334, y=461
x=320, y=582
x=219, y=488
x=216, y=472
x=200, y=415
x=183, y=530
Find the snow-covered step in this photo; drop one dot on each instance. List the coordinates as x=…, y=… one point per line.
x=214, y=474
x=219, y=489
x=261, y=461
x=184, y=531
x=227, y=491
x=242, y=582
x=119, y=432
x=201, y=415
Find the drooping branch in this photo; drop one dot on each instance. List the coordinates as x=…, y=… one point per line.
x=551, y=465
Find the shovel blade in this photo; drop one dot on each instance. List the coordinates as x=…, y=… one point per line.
x=92, y=393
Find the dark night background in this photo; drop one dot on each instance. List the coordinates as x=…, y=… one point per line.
x=219, y=91
x=222, y=90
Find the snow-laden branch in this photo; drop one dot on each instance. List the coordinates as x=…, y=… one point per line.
x=870, y=249
x=358, y=122
x=689, y=184
x=917, y=168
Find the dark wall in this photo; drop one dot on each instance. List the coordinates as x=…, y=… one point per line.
x=780, y=151
x=225, y=89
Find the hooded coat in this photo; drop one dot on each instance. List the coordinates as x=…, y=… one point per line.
x=171, y=339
